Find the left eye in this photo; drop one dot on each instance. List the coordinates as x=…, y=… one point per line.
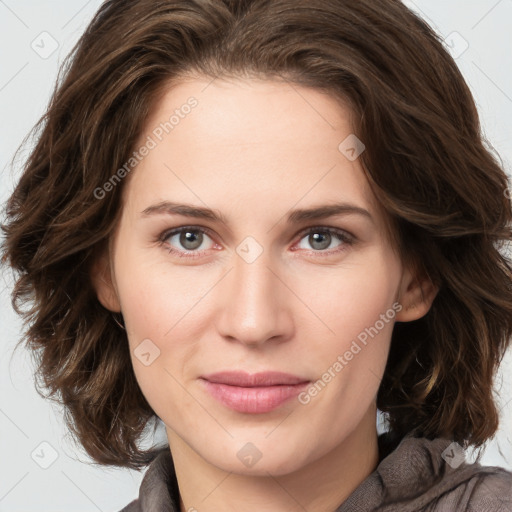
x=321, y=238
x=191, y=238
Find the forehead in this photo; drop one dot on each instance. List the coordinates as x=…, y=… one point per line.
x=245, y=144
x=252, y=111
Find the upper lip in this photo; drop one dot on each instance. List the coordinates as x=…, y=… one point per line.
x=248, y=380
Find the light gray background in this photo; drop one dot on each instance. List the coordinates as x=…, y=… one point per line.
x=26, y=81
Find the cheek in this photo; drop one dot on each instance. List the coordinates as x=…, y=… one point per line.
x=348, y=300
x=155, y=323
x=163, y=318
x=155, y=297
x=351, y=335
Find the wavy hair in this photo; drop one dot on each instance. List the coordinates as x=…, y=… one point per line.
x=431, y=169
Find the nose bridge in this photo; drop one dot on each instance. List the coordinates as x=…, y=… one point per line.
x=253, y=308
x=253, y=282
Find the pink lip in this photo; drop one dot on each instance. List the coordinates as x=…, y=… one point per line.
x=255, y=394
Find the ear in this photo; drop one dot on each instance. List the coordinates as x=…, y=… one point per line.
x=103, y=283
x=416, y=295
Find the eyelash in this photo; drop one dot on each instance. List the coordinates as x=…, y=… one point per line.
x=343, y=236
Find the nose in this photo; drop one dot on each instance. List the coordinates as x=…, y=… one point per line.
x=254, y=304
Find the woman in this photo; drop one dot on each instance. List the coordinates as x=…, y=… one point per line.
x=260, y=222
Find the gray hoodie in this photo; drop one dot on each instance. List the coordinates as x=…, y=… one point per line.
x=413, y=475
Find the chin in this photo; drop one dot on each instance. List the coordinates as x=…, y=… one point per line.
x=257, y=458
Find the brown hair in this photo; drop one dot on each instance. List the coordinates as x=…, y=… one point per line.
x=425, y=159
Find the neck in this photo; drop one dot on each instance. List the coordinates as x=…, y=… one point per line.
x=321, y=485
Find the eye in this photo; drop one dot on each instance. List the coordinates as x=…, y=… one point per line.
x=185, y=241
x=321, y=238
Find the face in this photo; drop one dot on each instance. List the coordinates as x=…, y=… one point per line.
x=250, y=242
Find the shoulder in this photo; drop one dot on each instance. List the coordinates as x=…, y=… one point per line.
x=490, y=490
x=474, y=488
x=431, y=475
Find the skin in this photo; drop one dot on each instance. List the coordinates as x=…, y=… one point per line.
x=253, y=151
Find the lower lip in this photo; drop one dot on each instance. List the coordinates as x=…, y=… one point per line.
x=256, y=400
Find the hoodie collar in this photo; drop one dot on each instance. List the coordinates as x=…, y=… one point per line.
x=411, y=471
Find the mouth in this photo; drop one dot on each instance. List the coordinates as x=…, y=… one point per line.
x=253, y=393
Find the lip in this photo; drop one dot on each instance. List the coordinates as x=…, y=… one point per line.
x=248, y=380
x=256, y=393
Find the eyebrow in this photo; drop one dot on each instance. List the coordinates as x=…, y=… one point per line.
x=295, y=217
